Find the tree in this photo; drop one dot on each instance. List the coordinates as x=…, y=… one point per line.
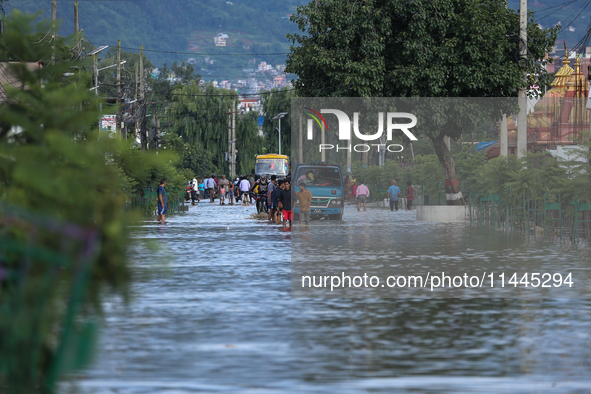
x=275, y=102
x=419, y=48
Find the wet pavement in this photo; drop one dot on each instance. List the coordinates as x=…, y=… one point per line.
x=212, y=312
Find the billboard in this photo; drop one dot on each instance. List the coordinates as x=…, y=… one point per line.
x=108, y=123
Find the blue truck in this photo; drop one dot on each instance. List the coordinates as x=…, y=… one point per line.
x=325, y=182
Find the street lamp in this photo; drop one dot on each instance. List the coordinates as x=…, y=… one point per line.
x=93, y=53
x=101, y=69
x=280, y=116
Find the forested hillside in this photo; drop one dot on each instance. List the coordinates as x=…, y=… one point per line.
x=188, y=26
x=252, y=26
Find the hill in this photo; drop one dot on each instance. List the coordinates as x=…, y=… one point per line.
x=187, y=26
x=253, y=27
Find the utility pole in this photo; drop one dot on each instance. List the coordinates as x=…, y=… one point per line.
x=3, y=15
x=135, y=81
x=119, y=113
x=504, y=137
x=589, y=112
x=157, y=133
x=233, y=164
x=229, y=157
x=522, y=116
x=230, y=141
x=135, y=102
x=78, y=46
x=76, y=24
x=153, y=117
x=95, y=71
x=323, y=142
x=53, y=33
x=142, y=103
x=301, y=143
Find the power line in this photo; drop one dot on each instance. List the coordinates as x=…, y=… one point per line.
x=207, y=54
x=555, y=11
x=557, y=5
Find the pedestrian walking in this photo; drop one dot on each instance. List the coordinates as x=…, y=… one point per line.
x=270, y=190
x=230, y=193
x=285, y=204
x=410, y=196
x=362, y=194
x=393, y=195
x=162, y=201
x=223, y=183
x=222, y=195
x=211, y=185
x=195, y=191
x=201, y=192
x=206, y=187
x=304, y=197
x=245, y=190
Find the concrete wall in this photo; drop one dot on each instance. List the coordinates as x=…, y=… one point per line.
x=443, y=213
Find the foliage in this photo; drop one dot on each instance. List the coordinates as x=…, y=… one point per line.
x=401, y=48
x=172, y=25
x=275, y=102
x=199, y=130
x=460, y=48
x=54, y=167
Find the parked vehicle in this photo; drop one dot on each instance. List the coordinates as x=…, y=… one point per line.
x=325, y=182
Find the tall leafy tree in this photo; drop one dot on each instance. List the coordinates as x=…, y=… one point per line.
x=419, y=48
x=199, y=118
x=275, y=102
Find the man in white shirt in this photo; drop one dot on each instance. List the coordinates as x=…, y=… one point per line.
x=244, y=190
x=205, y=187
x=211, y=185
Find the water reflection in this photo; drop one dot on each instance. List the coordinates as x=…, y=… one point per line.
x=219, y=316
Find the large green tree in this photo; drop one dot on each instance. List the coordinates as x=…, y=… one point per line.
x=419, y=48
x=275, y=102
x=199, y=117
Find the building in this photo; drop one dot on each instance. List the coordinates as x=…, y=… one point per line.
x=220, y=40
x=247, y=104
x=559, y=119
x=7, y=78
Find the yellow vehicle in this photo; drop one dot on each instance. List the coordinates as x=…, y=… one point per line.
x=272, y=164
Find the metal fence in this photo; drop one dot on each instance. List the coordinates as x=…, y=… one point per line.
x=44, y=268
x=144, y=199
x=538, y=214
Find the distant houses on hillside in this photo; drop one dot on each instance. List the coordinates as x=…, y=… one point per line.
x=220, y=40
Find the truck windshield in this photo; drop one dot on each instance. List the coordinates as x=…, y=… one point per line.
x=323, y=176
x=271, y=166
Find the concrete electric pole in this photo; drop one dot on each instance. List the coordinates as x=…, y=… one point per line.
x=119, y=109
x=142, y=103
x=229, y=157
x=76, y=24
x=233, y=158
x=53, y=32
x=522, y=115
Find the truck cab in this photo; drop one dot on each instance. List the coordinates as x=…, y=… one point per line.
x=325, y=182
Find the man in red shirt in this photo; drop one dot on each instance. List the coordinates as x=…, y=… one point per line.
x=410, y=196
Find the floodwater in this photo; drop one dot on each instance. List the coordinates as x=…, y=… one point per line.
x=212, y=311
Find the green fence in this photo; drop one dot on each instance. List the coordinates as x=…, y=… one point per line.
x=538, y=214
x=144, y=199
x=44, y=265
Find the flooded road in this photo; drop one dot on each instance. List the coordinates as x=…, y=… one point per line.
x=212, y=312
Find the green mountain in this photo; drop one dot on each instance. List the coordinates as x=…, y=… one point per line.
x=188, y=26
x=253, y=27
